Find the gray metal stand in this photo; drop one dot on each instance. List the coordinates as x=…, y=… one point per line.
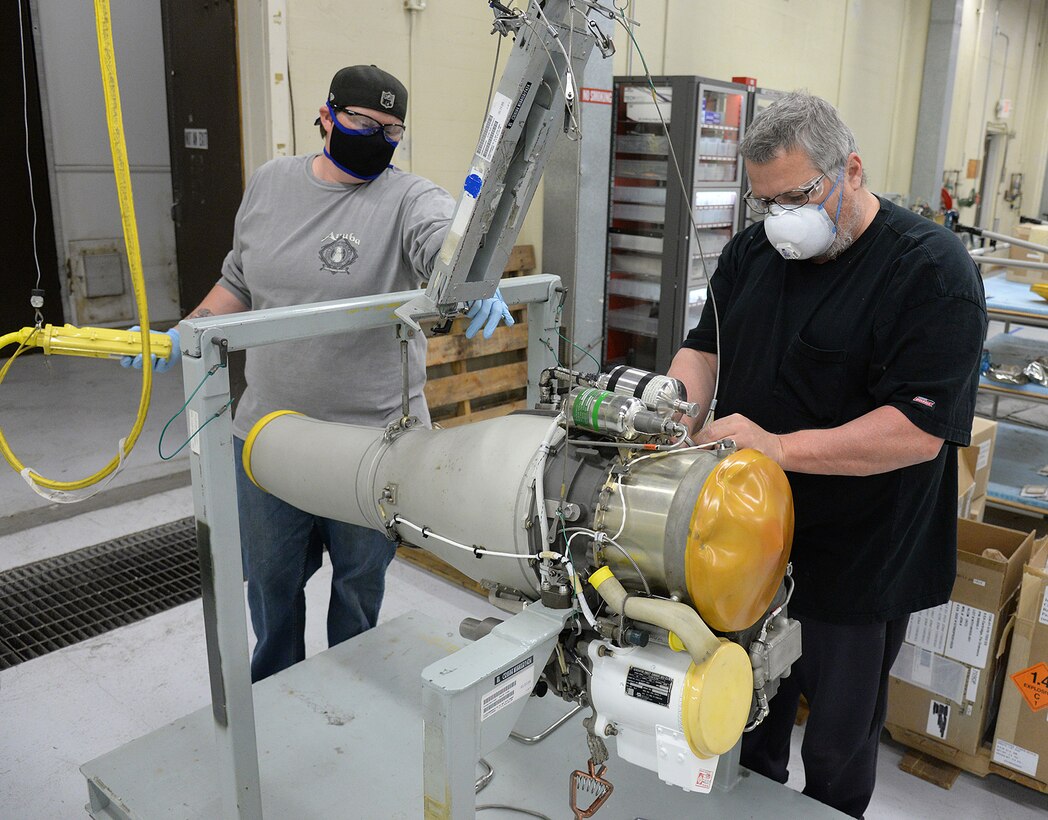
x=205, y=344
x=489, y=680
x=341, y=735
x=351, y=732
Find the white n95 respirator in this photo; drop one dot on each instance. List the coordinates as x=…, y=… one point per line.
x=805, y=232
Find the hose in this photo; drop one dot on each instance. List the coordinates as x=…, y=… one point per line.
x=678, y=618
x=114, y=121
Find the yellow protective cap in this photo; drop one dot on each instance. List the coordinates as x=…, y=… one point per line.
x=600, y=576
x=249, y=442
x=715, y=702
x=739, y=540
x=675, y=643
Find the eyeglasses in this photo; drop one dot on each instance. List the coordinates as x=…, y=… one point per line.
x=788, y=200
x=367, y=126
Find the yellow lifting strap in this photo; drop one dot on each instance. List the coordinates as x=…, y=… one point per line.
x=100, y=342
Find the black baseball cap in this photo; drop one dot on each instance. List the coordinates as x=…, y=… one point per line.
x=368, y=87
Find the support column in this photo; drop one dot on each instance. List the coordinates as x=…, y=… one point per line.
x=933, y=118
x=222, y=582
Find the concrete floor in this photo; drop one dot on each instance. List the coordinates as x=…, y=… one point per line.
x=63, y=709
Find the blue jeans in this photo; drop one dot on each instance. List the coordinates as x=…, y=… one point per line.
x=282, y=546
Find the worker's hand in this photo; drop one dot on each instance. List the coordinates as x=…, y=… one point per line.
x=159, y=365
x=745, y=434
x=487, y=312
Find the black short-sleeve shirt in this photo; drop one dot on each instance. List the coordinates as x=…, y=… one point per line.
x=897, y=320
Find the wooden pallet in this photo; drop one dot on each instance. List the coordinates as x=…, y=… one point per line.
x=936, y=762
x=470, y=380
x=930, y=769
x=940, y=764
x=435, y=566
x=474, y=379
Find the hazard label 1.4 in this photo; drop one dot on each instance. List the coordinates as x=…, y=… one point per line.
x=1033, y=685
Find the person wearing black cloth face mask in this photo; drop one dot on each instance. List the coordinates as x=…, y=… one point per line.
x=362, y=123
x=336, y=224
x=363, y=147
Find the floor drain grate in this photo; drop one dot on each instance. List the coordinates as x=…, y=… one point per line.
x=60, y=601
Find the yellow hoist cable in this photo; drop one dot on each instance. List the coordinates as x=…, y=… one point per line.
x=114, y=120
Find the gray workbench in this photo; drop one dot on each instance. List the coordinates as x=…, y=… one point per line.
x=340, y=736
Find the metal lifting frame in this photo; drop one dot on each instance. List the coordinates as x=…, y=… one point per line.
x=536, y=101
x=206, y=343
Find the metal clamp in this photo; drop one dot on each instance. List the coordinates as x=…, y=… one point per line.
x=395, y=429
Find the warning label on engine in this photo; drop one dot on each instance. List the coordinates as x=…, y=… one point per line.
x=649, y=686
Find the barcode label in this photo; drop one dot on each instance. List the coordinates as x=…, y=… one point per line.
x=503, y=696
x=505, y=693
x=491, y=134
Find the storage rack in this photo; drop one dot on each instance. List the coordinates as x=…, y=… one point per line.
x=656, y=272
x=1021, y=449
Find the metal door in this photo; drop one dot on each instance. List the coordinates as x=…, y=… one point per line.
x=200, y=55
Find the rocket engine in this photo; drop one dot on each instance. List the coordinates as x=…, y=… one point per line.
x=672, y=557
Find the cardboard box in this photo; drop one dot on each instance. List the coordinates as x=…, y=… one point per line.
x=965, y=482
x=1031, y=233
x=948, y=677
x=978, y=509
x=984, y=582
x=979, y=454
x=1021, y=740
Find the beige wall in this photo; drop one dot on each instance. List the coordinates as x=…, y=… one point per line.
x=444, y=55
x=865, y=56
x=979, y=83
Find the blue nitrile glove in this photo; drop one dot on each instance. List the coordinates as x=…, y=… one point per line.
x=487, y=312
x=159, y=365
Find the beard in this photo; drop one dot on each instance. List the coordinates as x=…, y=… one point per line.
x=846, y=225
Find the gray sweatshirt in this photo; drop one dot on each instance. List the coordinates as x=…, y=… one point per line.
x=298, y=239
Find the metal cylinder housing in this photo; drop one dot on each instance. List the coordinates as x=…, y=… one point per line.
x=713, y=532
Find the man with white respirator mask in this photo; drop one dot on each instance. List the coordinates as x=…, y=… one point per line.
x=842, y=339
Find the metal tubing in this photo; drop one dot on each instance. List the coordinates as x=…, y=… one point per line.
x=485, y=778
x=1010, y=263
x=1011, y=240
x=528, y=741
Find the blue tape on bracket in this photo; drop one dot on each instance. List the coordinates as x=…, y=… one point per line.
x=474, y=183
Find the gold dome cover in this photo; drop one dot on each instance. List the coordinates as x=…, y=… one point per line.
x=739, y=540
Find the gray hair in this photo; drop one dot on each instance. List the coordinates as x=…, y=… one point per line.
x=800, y=120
